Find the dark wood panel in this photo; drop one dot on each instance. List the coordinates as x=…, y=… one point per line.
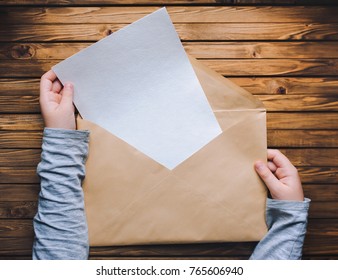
x=299, y=138
x=19, y=157
x=286, y=85
x=321, y=193
x=182, y=14
x=302, y=121
x=186, y=31
x=257, y=85
x=273, y=103
x=16, y=228
x=209, y=50
x=11, y=210
x=227, y=67
x=21, y=122
x=14, y=122
x=299, y=157
x=312, y=157
x=14, y=193
x=276, y=139
x=317, y=175
x=323, y=210
x=21, y=139
x=13, y=175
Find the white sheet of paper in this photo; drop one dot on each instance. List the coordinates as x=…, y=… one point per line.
x=139, y=85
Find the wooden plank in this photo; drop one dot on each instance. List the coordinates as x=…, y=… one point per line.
x=164, y=2
x=321, y=193
x=258, y=85
x=210, y=50
x=312, y=157
x=303, y=121
x=227, y=67
x=286, y=85
x=18, y=210
x=21, y=139
x=16, y=228
x=299, y=138
x=26, y=192
x=318, y=175
x=21, y=122
x=19, y=157
x=19, y=104
x=273, y=103
x=324, y=210
x=276, y=139
x=186, y=31
x=271, y=67
x=299, y=157
x=182, y=14
x=16, y=246
x=27, y=175
x=24, y=175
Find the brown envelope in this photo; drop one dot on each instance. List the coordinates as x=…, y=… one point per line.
x=213, y=196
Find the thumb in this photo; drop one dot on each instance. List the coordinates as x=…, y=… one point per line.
x=266, y=175
x=67, y=95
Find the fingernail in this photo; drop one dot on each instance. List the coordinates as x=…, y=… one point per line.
x=68, y=86
x=259, y=165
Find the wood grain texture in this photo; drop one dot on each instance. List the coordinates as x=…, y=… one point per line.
x=182, y=14
x=211, y=50
x=9, y=210
x=20, y=192
x=20, y=139
x=186, y=31
x=226, y=67
x=256, y=85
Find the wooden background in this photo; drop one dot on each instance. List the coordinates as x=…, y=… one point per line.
x=287, y=55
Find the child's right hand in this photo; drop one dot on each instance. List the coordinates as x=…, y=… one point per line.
x=280, y=176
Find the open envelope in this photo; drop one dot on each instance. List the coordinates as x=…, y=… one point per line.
x=213, y=196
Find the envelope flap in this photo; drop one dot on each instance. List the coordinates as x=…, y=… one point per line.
x=223, y=94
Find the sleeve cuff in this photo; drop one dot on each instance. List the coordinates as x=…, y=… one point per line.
x=289, y=204
x=65, y=133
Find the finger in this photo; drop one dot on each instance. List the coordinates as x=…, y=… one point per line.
x=46, y=80
x=46, y=84
x=272, y=166
x=279, y=159
x=266, y=175
x=67, y=95
x=57, y=86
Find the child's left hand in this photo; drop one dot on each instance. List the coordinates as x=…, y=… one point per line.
x=56, y=102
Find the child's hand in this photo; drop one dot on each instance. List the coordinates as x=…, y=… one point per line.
x=280, y=176
x=56, y=102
